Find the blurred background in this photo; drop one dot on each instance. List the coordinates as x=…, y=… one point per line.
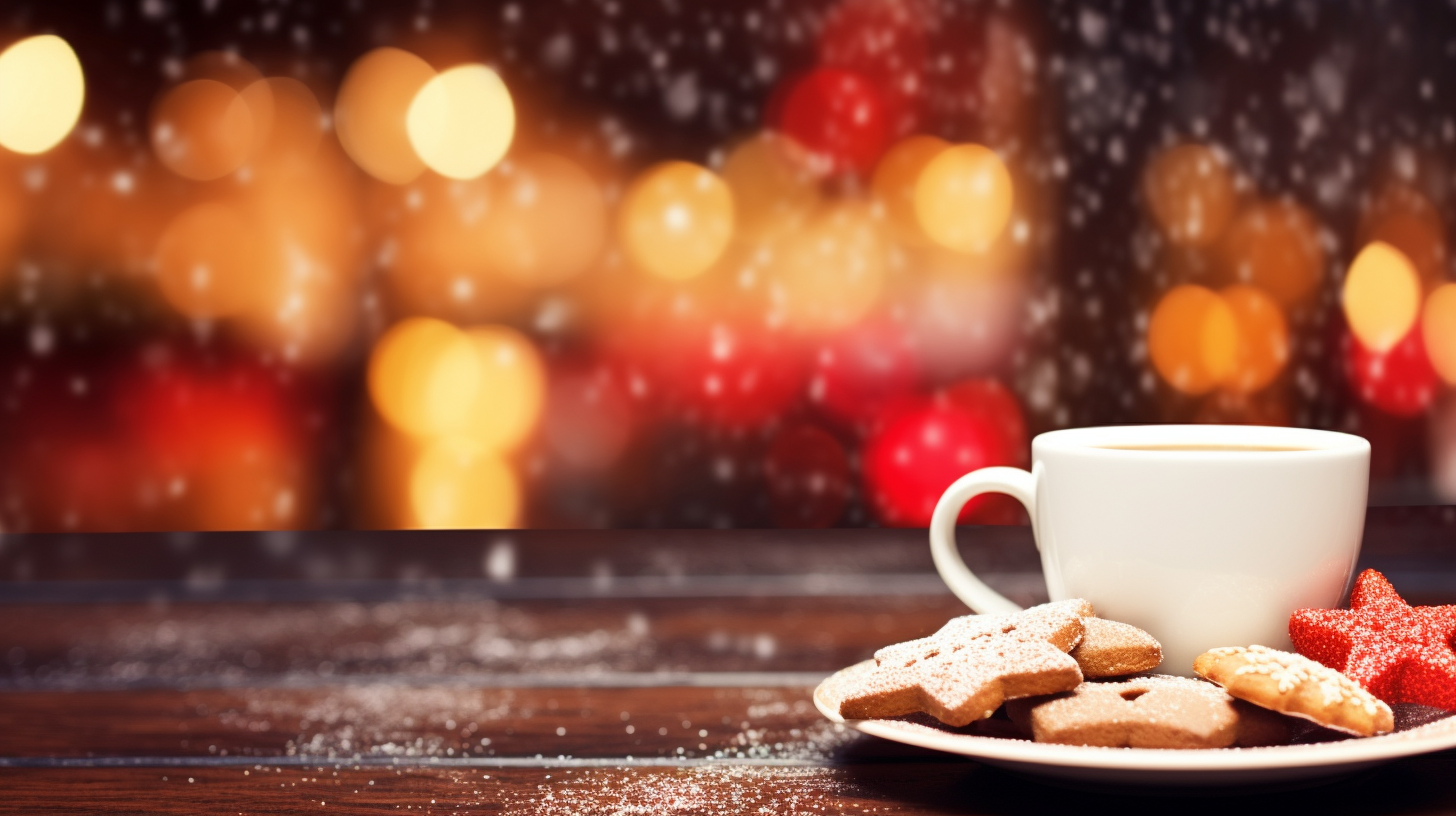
x=588, y=263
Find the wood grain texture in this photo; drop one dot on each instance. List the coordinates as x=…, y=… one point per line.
x=913, y=789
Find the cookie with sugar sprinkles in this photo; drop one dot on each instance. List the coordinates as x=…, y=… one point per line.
x=1400, y=653
x=1294, y=684
x=965, y=671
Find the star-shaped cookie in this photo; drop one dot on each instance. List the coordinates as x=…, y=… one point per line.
x=1399, y=653
x=966, y=670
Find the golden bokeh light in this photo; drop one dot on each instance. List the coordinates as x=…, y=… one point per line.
x=1381, y=296
x=963, y=198
x=208, y=261
x=547, y=221
x=1191, y=194
x=370, y=112
x=676, y=220
x=1401, y=216
x=202, y=129
x=1438, y=329
x=461, y=121
x=512, y=389
x=1263, y=339
x=1193, y=339
x=287, y=119
x=829, y=274
x=1274, y=245
x=773, y=190
x=424, y=377
x=456, y=483
x=42, y=90
x=895, y=180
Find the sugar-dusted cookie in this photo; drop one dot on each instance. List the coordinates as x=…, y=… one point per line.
x=1294, y=684
x=1398, y=652
x=1158, y=711
x=966, y=670
x=1112, y=649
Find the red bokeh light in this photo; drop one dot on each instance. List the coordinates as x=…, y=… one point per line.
x=861, y=370
x=919, y=451
x=808, y=477
x=883, y=41
x=839, y=117
x=1400, y=382
x=996, y=408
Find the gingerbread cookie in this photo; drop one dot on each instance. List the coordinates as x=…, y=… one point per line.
x=1294, y=684
x=1112, y=649
x=1158, y=711
x=1399, y=653
x=966, y=670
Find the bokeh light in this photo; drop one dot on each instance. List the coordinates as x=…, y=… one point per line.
x=829, y=275
x=1275, y=246
x=1191, y=194
x=547, y=220
x=1263, y=339
x=589, y=417
x=202, y=129
x=910, y=460
x=1193, y=339
x=894, y=184
x=773, y=191
x=1401, y=216
x=859, y=371
x=457, y=483
x=370, y=111
x=808, y=477
x=1400, y=381
x=839, y=117
x=42, y=90
x=1438, y=325
x=425, y=377
x=288, y=122
x=462, y=121
x=883, y=41
x=963, y=325
x=1381, y=296
x=963, y=198
x=676, y=220
x=208, y=261
x=512, y=388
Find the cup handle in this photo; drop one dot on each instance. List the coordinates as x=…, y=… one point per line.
x=1014, y=482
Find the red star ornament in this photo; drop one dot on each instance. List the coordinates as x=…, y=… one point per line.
x=1400, y=653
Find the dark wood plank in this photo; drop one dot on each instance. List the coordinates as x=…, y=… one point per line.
x=421, y=723
x=60, y=645
x=1413, y=786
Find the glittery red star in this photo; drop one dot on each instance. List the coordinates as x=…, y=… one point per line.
x=1400, y=653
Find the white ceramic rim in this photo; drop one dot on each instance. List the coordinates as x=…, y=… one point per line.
x=1436, y=736
x=1314, y=444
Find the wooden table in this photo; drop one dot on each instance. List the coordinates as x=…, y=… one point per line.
x=528, y=672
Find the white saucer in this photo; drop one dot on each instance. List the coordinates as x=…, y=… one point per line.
x=1151, y=766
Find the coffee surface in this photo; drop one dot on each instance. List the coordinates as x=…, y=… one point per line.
x=1205, y=448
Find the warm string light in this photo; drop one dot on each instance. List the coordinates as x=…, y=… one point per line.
x=1193, y=339
x=1276, y=246
x=1381, y=296
x=547, y=220
x=829, y=274
x=42, y=90
x=1438, y=325
x=371, y=109
x=773, y=191
x=469, y=399
x=894, y=185
x=461, y=121
x=963, y=198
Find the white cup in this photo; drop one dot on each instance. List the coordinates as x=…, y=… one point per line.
x=1202, y=548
